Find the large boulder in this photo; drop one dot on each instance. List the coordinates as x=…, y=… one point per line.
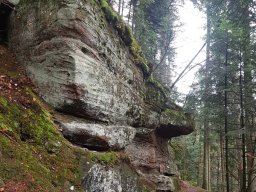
x=97, y=136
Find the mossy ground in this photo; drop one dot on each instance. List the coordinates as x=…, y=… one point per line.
x=25, y=128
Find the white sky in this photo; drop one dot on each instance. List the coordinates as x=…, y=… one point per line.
x=189, y=40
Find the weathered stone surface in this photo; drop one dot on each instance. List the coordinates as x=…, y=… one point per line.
x=106, y=179
x=173, y=168
x=163, y=183
x=53, y=146
x=96, y=136
x=78, y=63
x=174, y=123
x=150, y=155
x=82, y=67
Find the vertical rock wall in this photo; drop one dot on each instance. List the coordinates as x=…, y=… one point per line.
x=84, y=70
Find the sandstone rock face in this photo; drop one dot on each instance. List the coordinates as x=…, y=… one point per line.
x=81, y=66
x=103, y=179
x=151, y=157
x=150, y=152
x=164, y=183
x=96, y=136
x=78, y=62
x=83, y=69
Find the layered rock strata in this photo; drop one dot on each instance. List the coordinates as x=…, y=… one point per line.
x=83, y=69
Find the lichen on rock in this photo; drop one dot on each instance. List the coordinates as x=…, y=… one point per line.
x=101, y=178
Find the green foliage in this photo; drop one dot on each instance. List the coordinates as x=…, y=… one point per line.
x=178, y=118
x=232, y=44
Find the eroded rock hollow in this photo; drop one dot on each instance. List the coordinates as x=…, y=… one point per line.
x=85, y=70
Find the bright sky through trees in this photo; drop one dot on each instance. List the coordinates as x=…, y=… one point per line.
x=189, y=40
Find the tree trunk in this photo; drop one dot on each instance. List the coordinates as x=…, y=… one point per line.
x=243, y=183
x=133, y=14
x=206, y=168
x=122, y=9
x=119, y=6
x=222, y=160
x=226, y=120
x=129, y=12
x=248, y=99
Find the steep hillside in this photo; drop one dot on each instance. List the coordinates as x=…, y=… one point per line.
x=31, y=149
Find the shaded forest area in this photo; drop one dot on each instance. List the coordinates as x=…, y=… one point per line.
x=220, y=154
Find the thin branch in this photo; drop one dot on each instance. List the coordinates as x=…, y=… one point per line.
x=188, y=65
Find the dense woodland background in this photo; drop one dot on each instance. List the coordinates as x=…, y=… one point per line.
x=220, y=154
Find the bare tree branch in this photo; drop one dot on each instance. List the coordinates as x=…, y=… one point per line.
x=188, y=65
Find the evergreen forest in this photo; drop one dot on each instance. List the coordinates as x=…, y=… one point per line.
x=220, y=155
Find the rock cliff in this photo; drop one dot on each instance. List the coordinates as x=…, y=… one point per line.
x=86, y=65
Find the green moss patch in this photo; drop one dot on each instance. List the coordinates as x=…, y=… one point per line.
x=156, y=95
x=27, y=124
x=108, y=158
x=178, y=117
x=151, y=81
x=25, y=134
x=33, y=166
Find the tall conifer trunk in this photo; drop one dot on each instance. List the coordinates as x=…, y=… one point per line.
x=206, y=168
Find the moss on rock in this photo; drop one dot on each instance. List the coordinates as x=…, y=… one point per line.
x=31, y=124
x=108, y=158
x=126, y=35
